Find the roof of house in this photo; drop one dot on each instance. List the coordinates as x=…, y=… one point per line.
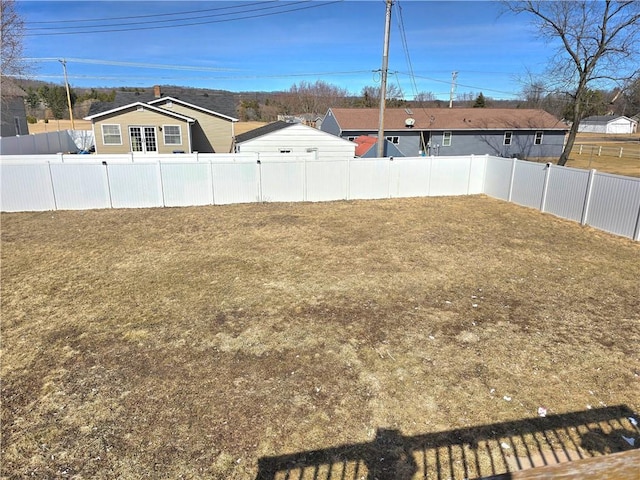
x=190, y=105
x=260, y=131
x=219, y=101
x=365, y=143
x=446, y=119
x=10, y=88
x=159, y=110
x=602, y=119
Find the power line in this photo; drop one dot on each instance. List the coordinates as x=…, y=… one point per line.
x=129, y=17
x=136, y=23
x=138, y=28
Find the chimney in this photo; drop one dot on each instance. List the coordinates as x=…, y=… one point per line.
x=156, y=91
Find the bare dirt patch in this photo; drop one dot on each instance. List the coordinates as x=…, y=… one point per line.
x=192, y=342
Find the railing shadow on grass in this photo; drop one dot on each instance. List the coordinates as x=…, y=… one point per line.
x=464, y=453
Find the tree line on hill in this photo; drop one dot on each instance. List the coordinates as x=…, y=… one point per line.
x=49, y=101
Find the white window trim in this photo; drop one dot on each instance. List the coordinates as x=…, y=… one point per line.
x=444, y=139
x=535, y=137
x=164, y=134
x=104, y=136
x=510, y=138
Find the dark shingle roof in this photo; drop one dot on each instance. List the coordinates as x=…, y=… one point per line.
x=219, y=101
x=260, y=131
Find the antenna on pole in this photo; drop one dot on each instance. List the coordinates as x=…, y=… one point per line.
x=454, y=76
x=383, y=84
x=66, y=84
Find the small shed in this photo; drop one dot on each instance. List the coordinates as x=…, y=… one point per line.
x=608, y=124
x=293, y=139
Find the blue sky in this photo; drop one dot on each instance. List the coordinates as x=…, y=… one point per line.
x=280, y=43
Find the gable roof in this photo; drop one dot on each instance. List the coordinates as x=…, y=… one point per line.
x=260, y=131
x=219, y=101
x=364, y=144
x=446, y=119
x=603, y=119
x=189, y=105
x=159, y=110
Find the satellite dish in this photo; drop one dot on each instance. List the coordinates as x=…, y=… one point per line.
x=409, y=122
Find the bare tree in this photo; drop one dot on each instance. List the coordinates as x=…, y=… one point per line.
x=598, y=41
x=12, y=30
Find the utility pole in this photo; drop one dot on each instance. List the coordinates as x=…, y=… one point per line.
x=66, y=84
x=454, y=75
x=383, y=83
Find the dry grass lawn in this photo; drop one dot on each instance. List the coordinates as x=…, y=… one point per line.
x=191, y=342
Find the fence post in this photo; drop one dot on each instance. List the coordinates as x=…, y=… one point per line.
x=547, y=174
x=161, y=185
x=53, y=187
x=470, y=170
x=213, y=194
x=587, y=198
x=259, y=163
x=513, y=174
x=636, y=231
x=349, y=178
x=389, y=163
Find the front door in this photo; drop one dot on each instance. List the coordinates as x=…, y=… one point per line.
x=143, y=139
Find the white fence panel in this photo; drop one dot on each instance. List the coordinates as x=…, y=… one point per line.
x=614, y=205
x=186, y=184
x=26, y=188
x=497, y=179
x=327, y=180
x=237, y=182
x=31, y=159
x=566, y=192
x=476, y=175
x=135, y=185
x=528, y=183
x=449, y=176
x=80, y=186
x=409, y=177
x=369, y=178
x=283, y=181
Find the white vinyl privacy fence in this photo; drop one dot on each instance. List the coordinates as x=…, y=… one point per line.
x=47, y=143
x=607, y=202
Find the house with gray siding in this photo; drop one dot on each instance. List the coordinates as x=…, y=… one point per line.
x=12, y=110
x=521, y=133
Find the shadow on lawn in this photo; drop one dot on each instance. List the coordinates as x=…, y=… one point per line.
x=473, y=452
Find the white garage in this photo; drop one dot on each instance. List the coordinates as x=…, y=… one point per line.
x=609, y=124
x=292, y=140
